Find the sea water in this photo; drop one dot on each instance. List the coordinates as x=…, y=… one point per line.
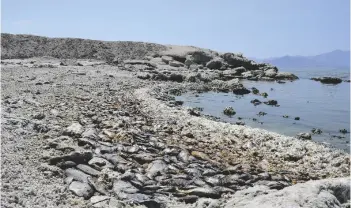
x=326, y=107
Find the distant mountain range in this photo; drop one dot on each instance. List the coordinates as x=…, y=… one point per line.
x=337, y=58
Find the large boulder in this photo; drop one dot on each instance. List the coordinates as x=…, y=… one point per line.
x=166, y=59
x=176, y=64
x=285, y=75
x=270, y=72
x=247, y=74
x=237, y=60
x=215, y=63
x=322, y=194
x=230, y=73
x=200, y=57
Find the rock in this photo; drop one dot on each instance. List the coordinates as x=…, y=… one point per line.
x=143, y=157
x=184, y=156
x=189, y=199
x=229, y=111
x=156, y=167
x=81, y=189
x=99, y=201
x=328, y=80
x=215, y=63
x=200, y=155
x=240, y=123
x=261, y=113
x=54, y=112
x=194, y=112
x=204, y=192
x=343, y=131
x=207, y=203
x=247, y=74
x=77, y=157
x=237, y=60
x=75, y=129
x=304, y=136
x=285, y=75
x=241, y=91
x=255, y=90
x=88, y=170
x=77, y=175
x=264, y=94
x=322, y=193
x=167, y=59
x=316, y=131
x=176, y=64
x=120, y=186
x=39, y=116
x=270, y=73
x=176, y=77
x=297, y=118
x=271, y=102
x=256, y=102
x=90, y=133
x=199, y=57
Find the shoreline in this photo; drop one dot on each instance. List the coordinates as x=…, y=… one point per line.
x=80, y=133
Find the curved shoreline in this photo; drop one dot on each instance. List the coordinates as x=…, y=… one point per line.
x=279, y=151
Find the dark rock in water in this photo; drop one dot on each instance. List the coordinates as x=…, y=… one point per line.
x=285, y=116
x=229, y=111
x=81, y=189
x=297, y=118
x=328, y=80
x=285, y=75
x=280, y=82
x=240, y=123
x=261, y=113
x=343, y=131
x=271, y=102
x=304, y=136
x=347, y=80
x=256, y=102
x=255, y=90
x=264, y=94
x=241, y=91
x=316, y=131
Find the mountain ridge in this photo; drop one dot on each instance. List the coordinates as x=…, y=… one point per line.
x=335, y=58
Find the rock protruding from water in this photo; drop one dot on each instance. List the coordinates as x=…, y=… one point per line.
x=328, y=80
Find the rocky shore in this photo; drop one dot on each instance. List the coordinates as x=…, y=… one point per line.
x=95, y=132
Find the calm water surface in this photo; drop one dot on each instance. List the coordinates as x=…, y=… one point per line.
x=326, y=107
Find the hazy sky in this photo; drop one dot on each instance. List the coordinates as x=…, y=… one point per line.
x=258, y=28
